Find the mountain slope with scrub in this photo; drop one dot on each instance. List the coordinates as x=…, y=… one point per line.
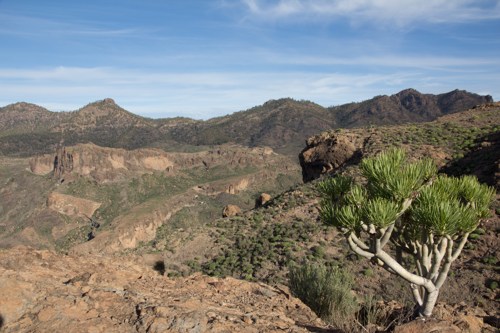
x=284, y=124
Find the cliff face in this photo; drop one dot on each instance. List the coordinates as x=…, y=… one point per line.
x=109, y=164
x=101, y=164
x=45, y=292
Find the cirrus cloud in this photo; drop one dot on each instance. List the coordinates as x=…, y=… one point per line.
x=400, y=12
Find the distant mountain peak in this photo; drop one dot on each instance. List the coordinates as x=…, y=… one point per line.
x=24, y=106
x=103, y=107
x=109, y=100
x=409, y=91
x=103, y=102
x=413, y=90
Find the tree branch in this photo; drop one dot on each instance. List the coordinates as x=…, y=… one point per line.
x=460, y=247
x=387, y=235
x=404, y=273
x=447, y=263
x=359, y=242
x=416, y=294
x=357, y=249
x=438, y=251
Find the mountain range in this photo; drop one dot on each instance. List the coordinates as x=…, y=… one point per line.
x=27, y=129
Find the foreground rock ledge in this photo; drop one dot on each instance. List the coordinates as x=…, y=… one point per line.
x=45, y=292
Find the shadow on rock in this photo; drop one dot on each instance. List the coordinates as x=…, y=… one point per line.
x=159, y=266
x=481, y=161
x=315, y=329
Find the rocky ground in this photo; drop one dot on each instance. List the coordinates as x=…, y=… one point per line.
x=46, y=292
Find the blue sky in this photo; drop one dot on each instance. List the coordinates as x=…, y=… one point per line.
x=205, y=58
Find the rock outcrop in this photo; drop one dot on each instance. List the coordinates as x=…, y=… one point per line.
x=263, y=199
x=329, y=151
x=63, y=162
x=72, y=206
x=100, y=163
x=45, y=292
x=231, y=210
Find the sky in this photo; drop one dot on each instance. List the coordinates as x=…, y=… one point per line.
x=207, y=58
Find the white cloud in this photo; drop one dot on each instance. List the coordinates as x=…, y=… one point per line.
x=393, y=61
x=400, y=12
x=205, y=95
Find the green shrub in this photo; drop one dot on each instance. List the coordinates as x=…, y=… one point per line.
x=474, y=236
x=490, y=260
x=326, y=290
x=368, y=272
x=318, y=251
x=493, y=285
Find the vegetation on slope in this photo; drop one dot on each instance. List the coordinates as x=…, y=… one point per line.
x=261, y=244
x=283, y=124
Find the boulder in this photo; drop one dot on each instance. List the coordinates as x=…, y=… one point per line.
x=231, y=210
x=328, y=152
x=427, y=326
x=263, y=199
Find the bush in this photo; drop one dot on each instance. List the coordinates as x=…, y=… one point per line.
x=327, y=291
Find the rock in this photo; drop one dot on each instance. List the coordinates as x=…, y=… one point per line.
x=328, y=152
x=100, y=163
x=427, y=326
x=469, y=324
x=231, y=210
x=71, y=206
x=263, y=198
x=46, y=292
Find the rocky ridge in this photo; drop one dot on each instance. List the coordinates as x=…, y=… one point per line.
x=473, y=133
x=45, y=292
x=104, y=164
x=284, y=124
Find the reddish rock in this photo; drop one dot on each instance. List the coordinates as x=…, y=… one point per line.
x=263, y=199
x=231, y=210
x=46, y=292
x=427, y=326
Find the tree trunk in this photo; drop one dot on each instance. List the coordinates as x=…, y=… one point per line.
x=429, y=302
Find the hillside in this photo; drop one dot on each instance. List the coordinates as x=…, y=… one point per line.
x=23, y=118
x=262, y=243
x=121, y=197
x=283, y=125
x=404, y=107
x=450, y=140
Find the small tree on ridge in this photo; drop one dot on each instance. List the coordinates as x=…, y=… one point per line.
x=425, y=216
